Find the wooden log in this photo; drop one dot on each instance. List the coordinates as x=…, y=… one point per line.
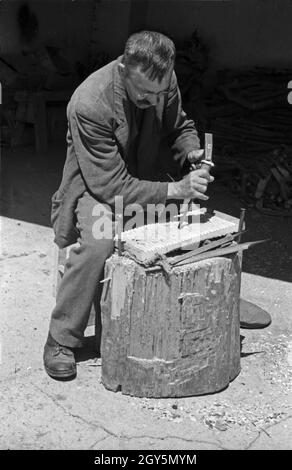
x=170, y=337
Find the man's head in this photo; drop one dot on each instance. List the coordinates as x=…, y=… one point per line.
x=147, y=67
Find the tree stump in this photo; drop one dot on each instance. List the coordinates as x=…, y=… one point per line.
x=170, y=336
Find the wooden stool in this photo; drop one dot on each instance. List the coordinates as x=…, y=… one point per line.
x=170, y=336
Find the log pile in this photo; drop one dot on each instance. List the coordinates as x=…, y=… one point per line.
x=251, y=120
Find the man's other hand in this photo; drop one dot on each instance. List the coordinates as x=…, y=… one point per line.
x=195, y=155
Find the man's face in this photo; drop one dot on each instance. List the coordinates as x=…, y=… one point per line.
x=144, y=92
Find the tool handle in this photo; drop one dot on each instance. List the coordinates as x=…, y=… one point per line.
x=207, y=165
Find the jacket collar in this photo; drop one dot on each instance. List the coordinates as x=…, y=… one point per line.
x=120, y=94
x=121, y=106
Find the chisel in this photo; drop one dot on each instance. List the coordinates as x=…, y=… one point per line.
x=206, y=164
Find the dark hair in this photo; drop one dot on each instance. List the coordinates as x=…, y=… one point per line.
x=153, y=52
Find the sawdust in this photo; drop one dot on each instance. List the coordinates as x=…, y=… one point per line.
x=254, y=400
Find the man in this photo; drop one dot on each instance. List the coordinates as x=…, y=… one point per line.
x=121, y=120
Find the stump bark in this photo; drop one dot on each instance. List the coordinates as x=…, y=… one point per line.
x=170, y=336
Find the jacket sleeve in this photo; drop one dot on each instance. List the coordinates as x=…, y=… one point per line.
x=102, y=166
x=181, y=131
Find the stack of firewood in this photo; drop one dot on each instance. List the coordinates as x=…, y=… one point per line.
x=251, y=120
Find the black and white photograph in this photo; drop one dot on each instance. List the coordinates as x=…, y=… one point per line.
x=146, y=231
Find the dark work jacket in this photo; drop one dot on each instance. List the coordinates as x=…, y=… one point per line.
x=100, y=131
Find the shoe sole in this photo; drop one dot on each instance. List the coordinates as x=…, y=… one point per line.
x=60, y=374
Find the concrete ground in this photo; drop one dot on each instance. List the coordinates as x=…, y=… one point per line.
x=36, y=412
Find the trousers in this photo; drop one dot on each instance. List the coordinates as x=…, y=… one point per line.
x=80, y=286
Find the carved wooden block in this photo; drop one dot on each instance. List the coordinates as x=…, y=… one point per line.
x=170, y=336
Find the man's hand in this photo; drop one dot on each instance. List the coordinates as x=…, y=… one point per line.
x=195, y=156
x=192, y=186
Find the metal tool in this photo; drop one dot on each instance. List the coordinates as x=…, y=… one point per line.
x=241, y=222
x=220, y=252
x=119, y=228
x=184, y=215
x=228, y=239
x=206, y=164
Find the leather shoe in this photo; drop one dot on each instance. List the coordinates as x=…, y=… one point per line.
x=59, y=361
x=253, y=317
